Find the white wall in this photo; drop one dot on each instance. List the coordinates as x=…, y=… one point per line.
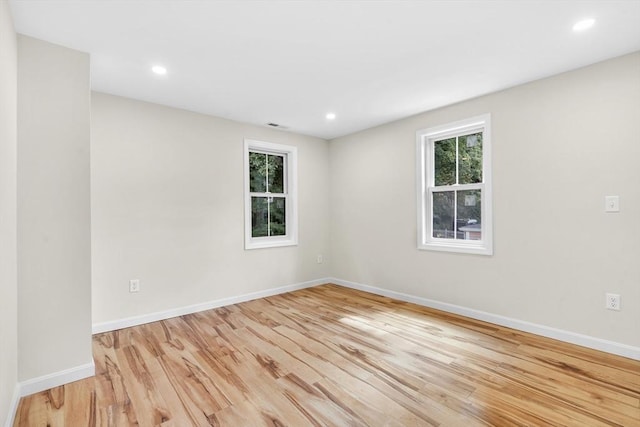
x=167, y=209
x=560, y=145
x=54, y=248
x=8, y=248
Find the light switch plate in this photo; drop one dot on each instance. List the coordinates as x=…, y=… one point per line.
x=612, y=204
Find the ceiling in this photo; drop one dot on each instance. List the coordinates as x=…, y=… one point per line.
x=292, y=62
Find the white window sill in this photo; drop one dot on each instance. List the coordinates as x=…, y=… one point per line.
x=269, y=243
x=457, y=248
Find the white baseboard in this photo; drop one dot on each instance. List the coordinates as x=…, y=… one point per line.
x=13, y=406
x=56, y=379
x=181, y=311
x=521, y=325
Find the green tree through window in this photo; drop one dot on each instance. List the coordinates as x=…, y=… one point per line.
x=457, y=160
x=267, y=187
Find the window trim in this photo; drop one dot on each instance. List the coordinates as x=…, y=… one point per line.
x=425, y=139
x=291, y=190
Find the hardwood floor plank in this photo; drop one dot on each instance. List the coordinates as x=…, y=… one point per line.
x=354, y=411
x=195, y=390
x=331, y=356
x=80, y=403
x=312, y=403
x=146, y=400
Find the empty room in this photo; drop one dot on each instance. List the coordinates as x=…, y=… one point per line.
x=319, y=213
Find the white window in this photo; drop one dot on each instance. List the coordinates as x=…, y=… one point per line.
x=454, y=187
x=270, y=202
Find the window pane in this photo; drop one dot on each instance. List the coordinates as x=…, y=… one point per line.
x=257, y=172
x=470, y=159
x=268, y=216
x=443, y=212
x=259, y=217
x=444, y=153
x=276, y=173
x=469, y=215
x=278, y=216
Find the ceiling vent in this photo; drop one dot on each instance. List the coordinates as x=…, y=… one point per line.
x=275, y=125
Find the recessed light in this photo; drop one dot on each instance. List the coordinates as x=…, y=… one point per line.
x=330, y=116
x=584, y=24
x=159, y=70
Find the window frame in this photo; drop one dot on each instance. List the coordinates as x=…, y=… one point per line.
x=290, y=184
x=425, y=142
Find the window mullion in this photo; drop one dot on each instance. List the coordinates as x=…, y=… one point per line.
x=455, y=215
x=457, y=161
x=266, y=173
x=267, y=194
x=269, y=201
x=457, y=187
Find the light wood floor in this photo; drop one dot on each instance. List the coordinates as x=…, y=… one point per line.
x=330, y=356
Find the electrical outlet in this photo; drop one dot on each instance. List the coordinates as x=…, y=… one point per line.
x=613, y=302
x=320, y=260
x=134, y=285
